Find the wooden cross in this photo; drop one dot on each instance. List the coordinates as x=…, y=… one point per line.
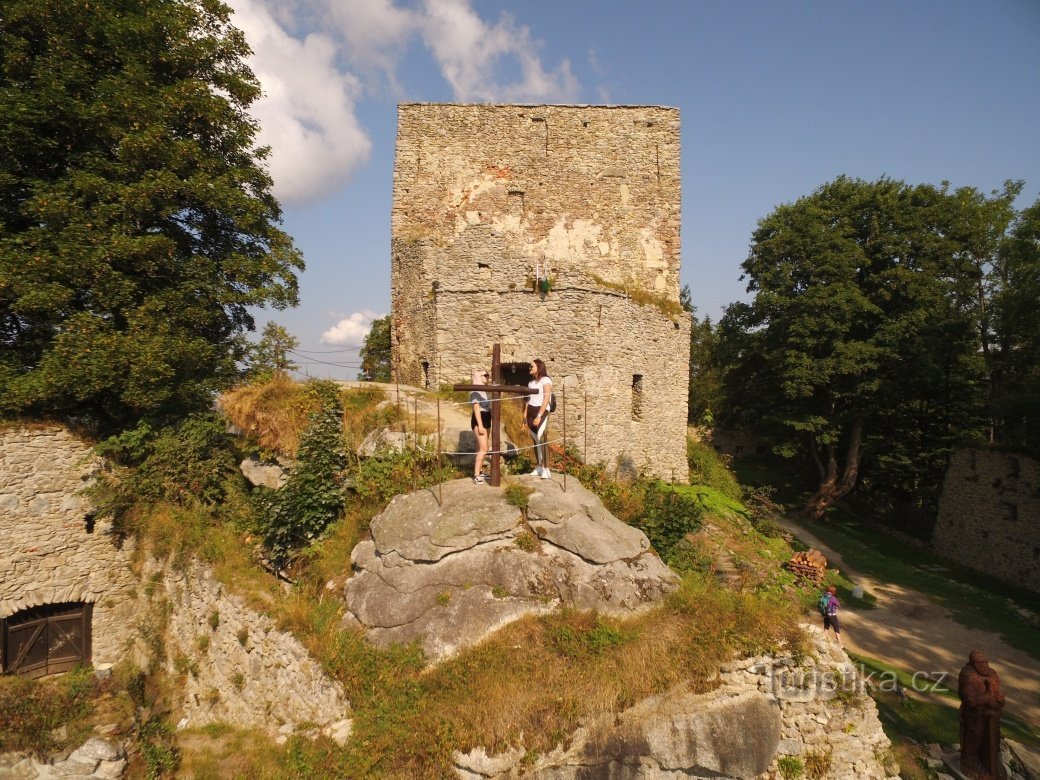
x=496, y=389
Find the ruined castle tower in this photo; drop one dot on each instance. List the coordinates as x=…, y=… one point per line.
x=554, y=231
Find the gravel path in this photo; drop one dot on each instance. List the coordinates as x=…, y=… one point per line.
x=911, y=632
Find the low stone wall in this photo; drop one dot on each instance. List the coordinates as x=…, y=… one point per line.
x=237, y=666
x=989, y=515
x=51, y=550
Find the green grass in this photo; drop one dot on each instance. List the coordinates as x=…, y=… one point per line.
x=974, y=599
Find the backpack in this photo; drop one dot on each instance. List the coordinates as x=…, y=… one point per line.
x=823, y=604
x=552, y=402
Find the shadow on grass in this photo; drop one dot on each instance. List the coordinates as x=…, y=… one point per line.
x=974, y=599
x=927, y=716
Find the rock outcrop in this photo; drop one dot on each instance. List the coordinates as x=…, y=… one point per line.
x=452, y=573
x=765, y=709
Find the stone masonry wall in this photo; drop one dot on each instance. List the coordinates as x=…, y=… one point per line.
x=989, y=515
x=485, y=198
x=237, y=666
x=49, y=552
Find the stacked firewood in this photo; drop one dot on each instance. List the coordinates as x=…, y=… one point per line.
x=809, y=564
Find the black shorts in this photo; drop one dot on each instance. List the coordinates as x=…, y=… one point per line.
x=532, y=412
x=831, y=621
x=485, y=419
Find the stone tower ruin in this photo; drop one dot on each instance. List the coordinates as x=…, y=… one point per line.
x=554, y=231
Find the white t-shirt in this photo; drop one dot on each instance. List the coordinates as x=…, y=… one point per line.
x=536, y=399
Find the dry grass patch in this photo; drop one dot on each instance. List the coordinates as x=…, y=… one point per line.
x=217, y=751
x=541, y=678
x=272, y=413
x=534, y=682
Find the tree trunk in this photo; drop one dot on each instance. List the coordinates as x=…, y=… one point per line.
x=832, y=485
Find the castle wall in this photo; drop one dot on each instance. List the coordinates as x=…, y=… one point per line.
x=989, y=515
x=486, y=198
x=49, y=552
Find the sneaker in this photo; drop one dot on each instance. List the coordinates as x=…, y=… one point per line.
x=478, y=480
x=546, y=474
x=537, y=472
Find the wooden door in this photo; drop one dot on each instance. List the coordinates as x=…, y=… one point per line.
x=47, y=639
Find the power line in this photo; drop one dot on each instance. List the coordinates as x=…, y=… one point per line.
x=328, y=351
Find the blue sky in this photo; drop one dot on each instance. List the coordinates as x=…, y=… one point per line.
x=776, y=98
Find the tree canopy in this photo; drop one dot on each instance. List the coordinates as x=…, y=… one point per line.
x=868, y=331
x=270, y=355
x=375, y=352
x=137, y=224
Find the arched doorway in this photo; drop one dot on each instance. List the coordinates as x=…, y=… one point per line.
x=45, y=640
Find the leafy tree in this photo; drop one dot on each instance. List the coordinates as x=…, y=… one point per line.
x=706, y=390
x=375, y=351
x=1017, y=331
x=271, y=353
x=864, y=328
x=137, y=224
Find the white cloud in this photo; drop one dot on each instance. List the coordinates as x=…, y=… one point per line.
x=470, y=53
x=307, y=113
x=351, y=330
x=376, y=32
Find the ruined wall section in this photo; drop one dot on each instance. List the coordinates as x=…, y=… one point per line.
x=484, y=196
x=989, y=515
x=599, y=345
x=51, y=550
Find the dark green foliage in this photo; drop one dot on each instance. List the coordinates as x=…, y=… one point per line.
x=380, y=478
x=705, y=387
x=1017, y=326
x=667, y=517
x=375, y=352
x=865, y=347
x=156, y=744
x=137, y=226
x=312, y=498
x=190, y=463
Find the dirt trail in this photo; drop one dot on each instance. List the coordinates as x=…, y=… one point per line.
x=911, y=632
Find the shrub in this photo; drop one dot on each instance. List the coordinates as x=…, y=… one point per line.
x=380, y=478
x=668, y=516
x=708, y=468
x=30, y=710
x=191, y=463
x=312, y=497
x=518, y=495
x=790, y=767
x=817, y=765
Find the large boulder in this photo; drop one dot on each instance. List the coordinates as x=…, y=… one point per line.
x=726, y=734
x=454, y=563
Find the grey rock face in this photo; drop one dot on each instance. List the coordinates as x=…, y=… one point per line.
x=733, y=735
x=266, y=474
x=453, y=573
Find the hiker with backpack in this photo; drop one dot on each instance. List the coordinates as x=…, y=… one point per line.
x=828, y=605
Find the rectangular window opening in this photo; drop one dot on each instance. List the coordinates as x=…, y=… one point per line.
x=637, y=396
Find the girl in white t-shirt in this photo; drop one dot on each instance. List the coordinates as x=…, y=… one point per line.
x=538, y=415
